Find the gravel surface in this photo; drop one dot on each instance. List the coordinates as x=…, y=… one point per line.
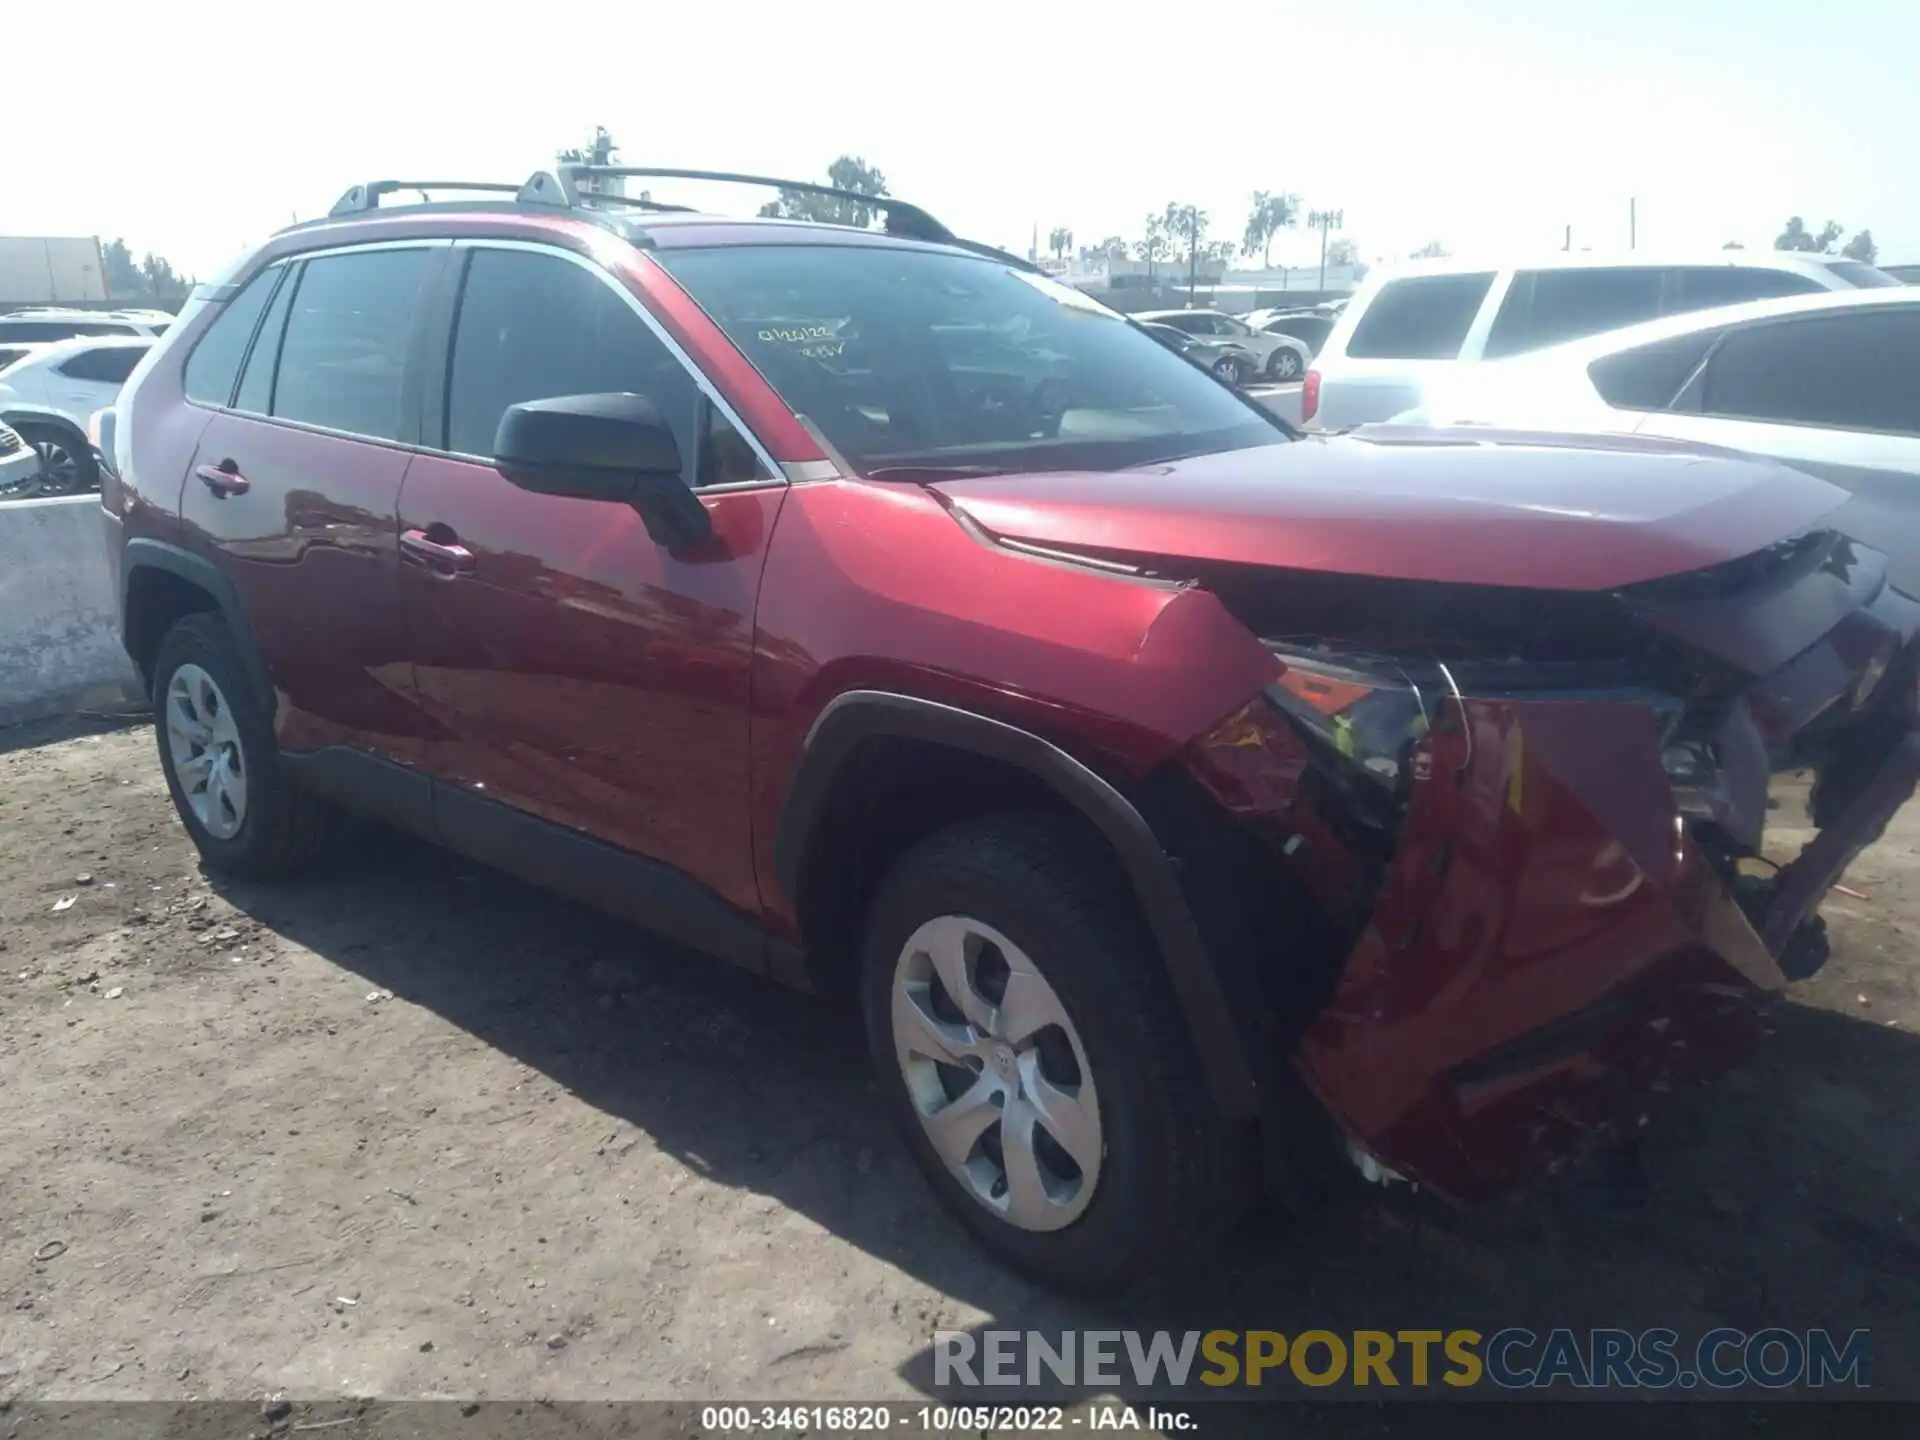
x=410, y=1129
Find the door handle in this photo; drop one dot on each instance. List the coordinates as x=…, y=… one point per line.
x=223, y=479
x=445, y=557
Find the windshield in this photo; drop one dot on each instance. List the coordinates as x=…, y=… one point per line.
x=916, y=359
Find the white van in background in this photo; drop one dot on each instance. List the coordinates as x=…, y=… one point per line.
x=1408, y=326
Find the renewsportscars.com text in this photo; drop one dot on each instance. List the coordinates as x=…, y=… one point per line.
x=1512, y=1358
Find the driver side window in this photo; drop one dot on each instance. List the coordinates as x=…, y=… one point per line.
x=533, y=326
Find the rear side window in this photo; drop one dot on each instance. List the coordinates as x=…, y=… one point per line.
x=1647, y=377
x=1701, y=287
x=1851, y=372
x=1423, y=318
x=215, y=361
x=535, y=326
x=344, y=354
x=1546, y=307
x=255, y=395
x=1860, y=276
x=110, y=365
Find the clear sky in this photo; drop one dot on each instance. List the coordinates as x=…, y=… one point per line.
x=194, y=127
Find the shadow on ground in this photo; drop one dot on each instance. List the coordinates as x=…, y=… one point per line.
x=1783, y=1197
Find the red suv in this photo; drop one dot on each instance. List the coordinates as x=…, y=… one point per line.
x=1178, y=797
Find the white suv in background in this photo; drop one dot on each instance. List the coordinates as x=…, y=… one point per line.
x=1829, y=384
x=1280, y=357
x=49, y=397
x=1409, y=326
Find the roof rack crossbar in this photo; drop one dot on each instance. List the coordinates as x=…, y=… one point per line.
x=901, y=218
x=364, y=197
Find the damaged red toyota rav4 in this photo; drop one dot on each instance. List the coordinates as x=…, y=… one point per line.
x=1177, y=797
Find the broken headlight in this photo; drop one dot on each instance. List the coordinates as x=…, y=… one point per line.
x=1373, y=715
x=1699, y=784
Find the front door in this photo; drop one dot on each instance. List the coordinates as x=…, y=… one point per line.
x=296, y=485
x=579, y=674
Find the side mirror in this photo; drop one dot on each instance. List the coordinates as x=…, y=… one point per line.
x=603, y=447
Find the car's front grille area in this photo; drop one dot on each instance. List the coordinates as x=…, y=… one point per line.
x=10, y=441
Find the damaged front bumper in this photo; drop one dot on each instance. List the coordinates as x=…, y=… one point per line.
x=1554, y=903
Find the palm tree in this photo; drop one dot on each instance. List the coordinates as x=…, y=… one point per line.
x=1189, y=224
x=1271, y=213
x=1154, y=245
x=1060, y=240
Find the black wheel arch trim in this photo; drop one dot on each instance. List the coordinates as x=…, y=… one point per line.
x=858, y=715
x=142, y=553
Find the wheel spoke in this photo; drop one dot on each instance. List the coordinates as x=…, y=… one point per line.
x=181, y=719
x=1027, y=1007
x=194, y=773
x=956, y=1127
x=206, y=701
x=1065, y=1115
x=233, y=787
x=947, y=944
x=918, y=1032
x=1027, y=1200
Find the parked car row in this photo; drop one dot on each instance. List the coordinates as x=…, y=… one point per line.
x=58, y=365
x=1245, y=353
x=1182, y=803
x=41, y=323
x=1407, y=328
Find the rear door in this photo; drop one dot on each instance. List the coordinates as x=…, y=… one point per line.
x=1551, y=306
x=1835, y=394
x=91, y=379
x=1411, y=331
x=579, y=673
x=294, y=489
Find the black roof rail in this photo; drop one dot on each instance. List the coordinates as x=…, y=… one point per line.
x=901, y=217
x=364, y=197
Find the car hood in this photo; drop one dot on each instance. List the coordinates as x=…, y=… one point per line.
x=1480, y=507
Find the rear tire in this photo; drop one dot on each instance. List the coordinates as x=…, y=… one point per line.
x=1284, y=365
x=1138, y=1175
x=221, y=762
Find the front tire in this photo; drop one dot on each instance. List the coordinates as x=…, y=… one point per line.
x=1031, y=1051
x=221, y=762
x=1232, y=370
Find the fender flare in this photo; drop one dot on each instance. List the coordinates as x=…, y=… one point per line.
x=142, y=553
x=859, y=715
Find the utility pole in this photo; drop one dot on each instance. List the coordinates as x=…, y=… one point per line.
x=1633, y=224
x=1568, y=243
x=1325, y=221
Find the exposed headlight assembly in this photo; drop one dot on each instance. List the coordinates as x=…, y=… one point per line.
x=1371, y=715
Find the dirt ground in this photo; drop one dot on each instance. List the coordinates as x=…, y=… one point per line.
x=414, y=1130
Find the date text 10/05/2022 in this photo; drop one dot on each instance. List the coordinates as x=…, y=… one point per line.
x=922, y=1419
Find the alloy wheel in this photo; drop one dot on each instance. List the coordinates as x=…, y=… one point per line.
x=997, y=1073
x=208, y=760
x=59, y=467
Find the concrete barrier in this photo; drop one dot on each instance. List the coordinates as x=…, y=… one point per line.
x=59, y=613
